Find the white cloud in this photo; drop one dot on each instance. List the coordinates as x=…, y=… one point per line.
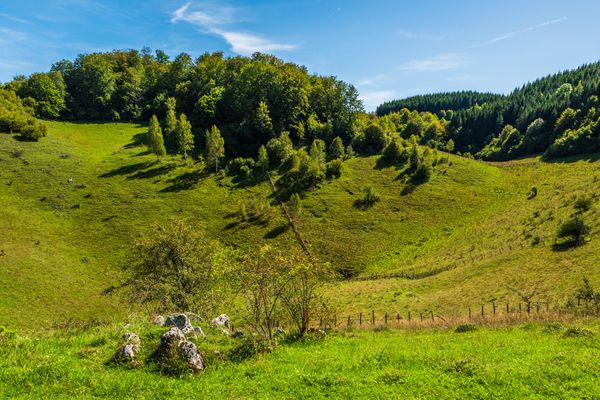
x=374, y=98
x=439, y=63
x=215, y=21
x=14, y=19
x=520, y=32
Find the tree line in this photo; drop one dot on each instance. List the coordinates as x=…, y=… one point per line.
x=556, y=115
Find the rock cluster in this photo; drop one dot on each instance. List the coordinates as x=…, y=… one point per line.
x=131, y=345
x=174, y=347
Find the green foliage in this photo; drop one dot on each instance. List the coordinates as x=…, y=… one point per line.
x=279, y=149
x=370, y=197
x=462, y=328
x=336, y=148
x=155, y=138
x=262, y=121
x=170, y=123
x=173, y=267
x=507, y=145
x=395, y=152
x=374, y=139
x=241, y=166
x=262, y=160
x=334, y=168
x=317, y=152
x=214, y=147
x=185, y=138
x=48, y=90
x=16, y=118
x=573, y=231
x=439, y=102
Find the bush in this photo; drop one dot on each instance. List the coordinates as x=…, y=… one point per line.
x=462, y=328
x=577, y=332
x=370, y=197
x=394, y=152
x=422, y=173
x=241, y=166
x=573, y=231
x=334, y=168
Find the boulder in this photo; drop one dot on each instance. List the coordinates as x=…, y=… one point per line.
x=189, y=353
x=174, y=348
x=171, y=339
x=221, y=320
x=158, y=320
x=130, y=346
x=181, y=321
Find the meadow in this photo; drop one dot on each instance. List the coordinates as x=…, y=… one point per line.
x=74, y=203
x=528, y=360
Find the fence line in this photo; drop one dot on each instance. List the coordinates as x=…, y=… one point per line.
x=493, y=311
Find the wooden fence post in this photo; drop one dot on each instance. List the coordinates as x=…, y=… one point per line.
x=537, y=307
x=386, y=318
x=469, y=312
x=360, y=319
x=373, y=317
x=547, y=305
x=348, y=321
x=421, y=314
x=494, y=307
x=432, y=318
x=528, y=307
x=519, y=308
x=507, y=308
x=398, y=318
x=409, y=316
x=482, y=311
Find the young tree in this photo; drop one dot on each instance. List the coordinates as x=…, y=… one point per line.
x=185, y=138
x=336, y=148
x=317, y=152
x=170, y=121
x=215, y=146
x=174, y=267
x=156, y=143
x=263, y=122
x=262, y=161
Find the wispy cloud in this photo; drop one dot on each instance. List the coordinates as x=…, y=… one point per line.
x=14, y=19
x=439, y=63
x=216, y=21
x=512, y=34
x=374, y=98
x=10, y=36
x=417, y=35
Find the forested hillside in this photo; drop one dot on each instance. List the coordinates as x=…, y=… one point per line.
x=557, y=115
x=438, y=102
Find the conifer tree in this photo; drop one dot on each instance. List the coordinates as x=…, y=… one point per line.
x=185, y=138
x=336, y=148
x=262, y=161
x=215, y=146
x=171, y=118
x=156, y=143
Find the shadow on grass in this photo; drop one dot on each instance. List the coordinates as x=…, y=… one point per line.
x=128, y=169
x=277, y=231
x=590, y=157
x=185, y=181
x=152, y=173
x=139, y=139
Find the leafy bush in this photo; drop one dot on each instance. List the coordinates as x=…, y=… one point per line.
x=241, y=166
x=15, y=117
x=334, y=168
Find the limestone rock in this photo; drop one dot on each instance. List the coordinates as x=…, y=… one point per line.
x=131, y=345
x=189, y=352
x=221, y=320
x=158, y=320
x=181, y=321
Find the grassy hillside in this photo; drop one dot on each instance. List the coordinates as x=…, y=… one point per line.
x=74, y=202
x=529, y=361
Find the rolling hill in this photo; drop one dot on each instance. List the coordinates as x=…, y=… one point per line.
x=74, y=203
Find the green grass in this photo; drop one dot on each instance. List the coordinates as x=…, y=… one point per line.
x=469, y=232
x=530, y=361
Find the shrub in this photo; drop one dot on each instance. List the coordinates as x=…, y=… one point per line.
x=370, y=197
x=462, y=328
x=241, y=166
x=573, y=231
x=334, y=168
x=394, y=152
x=422, y=173
x=577, y=332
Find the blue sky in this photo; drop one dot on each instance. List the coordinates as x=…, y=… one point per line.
x=388, y=49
